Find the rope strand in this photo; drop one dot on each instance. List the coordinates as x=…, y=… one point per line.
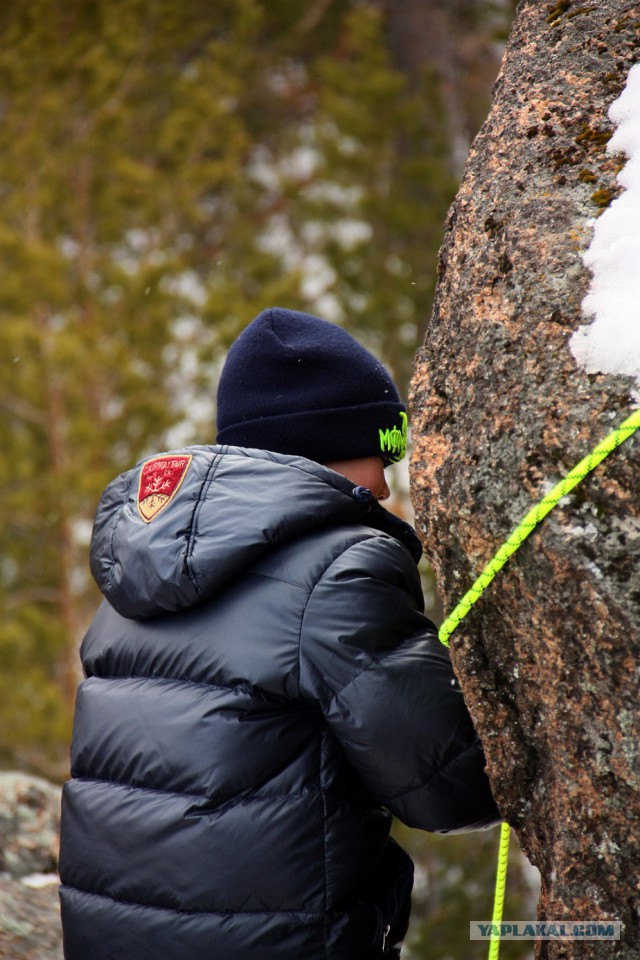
x=531, y=520
x=501, y=886
x=515, y=540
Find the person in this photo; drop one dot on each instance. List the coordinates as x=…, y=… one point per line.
x=263, y=691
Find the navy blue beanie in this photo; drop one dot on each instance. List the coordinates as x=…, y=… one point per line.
x=295, y=384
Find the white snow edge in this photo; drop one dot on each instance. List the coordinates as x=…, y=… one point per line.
x=611, y=342
x=38, y=880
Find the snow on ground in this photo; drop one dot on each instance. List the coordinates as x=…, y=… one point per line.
x=611, y=342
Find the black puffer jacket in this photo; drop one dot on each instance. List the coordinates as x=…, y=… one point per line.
x=262, y=688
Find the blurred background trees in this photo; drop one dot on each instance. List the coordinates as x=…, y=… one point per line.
x=167, y=169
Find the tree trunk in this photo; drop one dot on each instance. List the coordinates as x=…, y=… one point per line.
x=456, y=41
x=549, y=657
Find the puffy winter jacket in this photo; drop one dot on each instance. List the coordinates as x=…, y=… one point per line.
x=262, y=692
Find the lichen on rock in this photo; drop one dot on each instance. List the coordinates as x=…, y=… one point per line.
x=500, y=412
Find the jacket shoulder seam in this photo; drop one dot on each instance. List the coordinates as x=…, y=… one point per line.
x=370, y=534
x=272, y=576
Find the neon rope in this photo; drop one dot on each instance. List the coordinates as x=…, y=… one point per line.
x=501, y=886
x=526, y=526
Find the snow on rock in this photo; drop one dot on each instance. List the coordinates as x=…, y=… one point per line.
x=611, y=342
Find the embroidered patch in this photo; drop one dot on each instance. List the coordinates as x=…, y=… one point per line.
x=393, y=442
x=160, y=480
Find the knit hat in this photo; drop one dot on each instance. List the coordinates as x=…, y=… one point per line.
x=295, y=384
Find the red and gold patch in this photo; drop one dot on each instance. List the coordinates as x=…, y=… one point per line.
x=160, y=480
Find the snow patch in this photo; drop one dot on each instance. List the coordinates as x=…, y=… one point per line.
x=611, y=342
x=38, y=880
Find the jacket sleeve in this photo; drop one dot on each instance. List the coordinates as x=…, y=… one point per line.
x=388, y=691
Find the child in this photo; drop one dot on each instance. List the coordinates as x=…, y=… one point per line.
x=263, y=691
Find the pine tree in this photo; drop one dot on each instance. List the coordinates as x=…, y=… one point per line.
x=168, y=169
x=123, y=172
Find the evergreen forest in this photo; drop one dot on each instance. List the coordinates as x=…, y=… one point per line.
x=167, y=170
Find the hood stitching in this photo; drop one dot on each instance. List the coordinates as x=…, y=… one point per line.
x=192, y=531
x=114, y=526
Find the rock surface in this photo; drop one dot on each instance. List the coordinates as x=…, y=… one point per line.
x=29, y=835
x=548, y=659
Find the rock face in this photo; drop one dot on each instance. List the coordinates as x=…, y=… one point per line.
x=548, y=659
x=29, y=834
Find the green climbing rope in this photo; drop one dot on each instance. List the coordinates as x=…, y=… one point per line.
x=526, y=526
x=501, y=886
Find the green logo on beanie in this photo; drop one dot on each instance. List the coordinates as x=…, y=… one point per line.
x=393, y=443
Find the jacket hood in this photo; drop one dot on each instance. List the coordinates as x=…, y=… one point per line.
x=173, y=530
